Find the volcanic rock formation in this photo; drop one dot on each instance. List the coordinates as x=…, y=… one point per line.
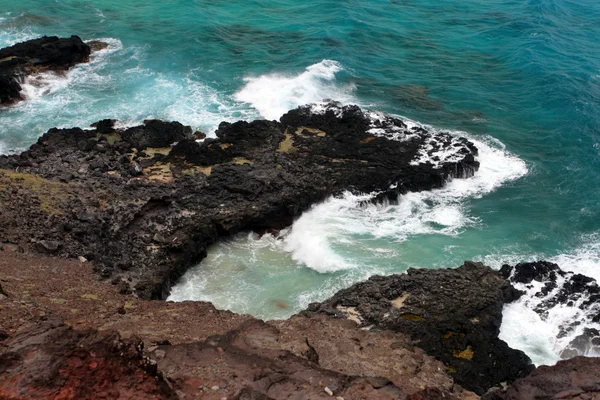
x=550, y=288
x=36, y=56
x=574, y=379
x=144, y=211
x=453, y=314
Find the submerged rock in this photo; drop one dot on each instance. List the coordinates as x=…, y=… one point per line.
x=453, y=314
x=144, y=211
x=48, y=53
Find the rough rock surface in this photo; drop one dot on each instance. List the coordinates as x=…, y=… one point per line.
x=452, y=314
x=35, y=56
x=144, y=211
x=53, y=361
x=574, y=379
x=250, y=360
x=196, y=347
x=548, y=287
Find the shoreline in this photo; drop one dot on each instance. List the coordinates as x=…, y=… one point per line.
x=137, y=206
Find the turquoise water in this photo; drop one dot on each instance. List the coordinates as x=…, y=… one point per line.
x=522, y=78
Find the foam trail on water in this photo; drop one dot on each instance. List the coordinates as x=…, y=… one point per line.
x=10, y=35
x=275, y=94
x=341, y=220
x=131, y=95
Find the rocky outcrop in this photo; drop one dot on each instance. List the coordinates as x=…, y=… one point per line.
x=574, y=379
x=250, y=360
x=35, y=56
x=547, y=287
x=198, y=351
x=52, y=361
x=453, y=314
x=144, y=211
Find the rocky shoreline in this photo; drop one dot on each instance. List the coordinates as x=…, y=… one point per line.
x=144, y=211
x=96, y=225
x=48, y=53
x=65, y=331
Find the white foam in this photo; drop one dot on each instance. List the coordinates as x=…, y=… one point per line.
x=83, y=75
x=313, y=247
x=116, y=84
x=275, y=94
x=523, y=329
x=199, y=105
x=537, y=334
x=583, y=260
x=439, y=211
x=10, y=35
x=43, y=84
x=436, y=153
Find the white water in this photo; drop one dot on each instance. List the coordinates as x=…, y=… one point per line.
x=114, y=84
x=275, y=94
x=524, y=329
x=320, y=253
x=439, y=211
x=584, y=260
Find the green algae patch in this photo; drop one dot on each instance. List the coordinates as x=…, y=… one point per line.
x=466, y=354
x=412, y=317
x=287, y=144
x=88, y=296
x=304, y=131
x=242, y=161
x=43, y=191
x=368, y=140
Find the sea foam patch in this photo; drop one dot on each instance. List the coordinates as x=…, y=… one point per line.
x=556, y=318
x=545, y=331
x=275, y=94
x=440, y=211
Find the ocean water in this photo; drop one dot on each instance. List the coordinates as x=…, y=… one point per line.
x=520, y=78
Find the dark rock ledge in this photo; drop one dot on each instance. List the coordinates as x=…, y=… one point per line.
x=453, y=314
x=144, y=211
x=35, y=56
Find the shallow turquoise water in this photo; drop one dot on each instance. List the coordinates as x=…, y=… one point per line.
x=519, y=75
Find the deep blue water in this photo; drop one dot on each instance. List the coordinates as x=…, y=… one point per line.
x=520, y=77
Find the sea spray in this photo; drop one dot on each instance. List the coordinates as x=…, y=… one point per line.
x=275, y=94
x=339, y=242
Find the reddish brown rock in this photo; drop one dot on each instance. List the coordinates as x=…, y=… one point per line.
x=198, y=347
x=574, y=379
x=52, y=361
